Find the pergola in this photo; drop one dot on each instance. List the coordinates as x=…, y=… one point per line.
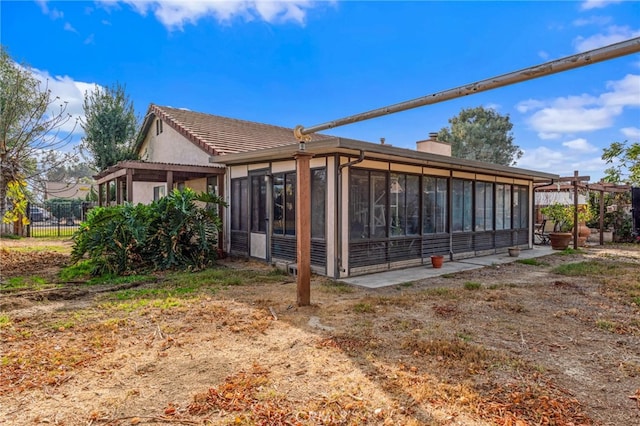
x=577, y=183
x=125, y=173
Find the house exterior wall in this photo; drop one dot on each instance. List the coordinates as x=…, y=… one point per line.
x=143, y=191
x=171, y=147
x=198, y=185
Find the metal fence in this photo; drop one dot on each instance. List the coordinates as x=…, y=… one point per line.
x=56, y=218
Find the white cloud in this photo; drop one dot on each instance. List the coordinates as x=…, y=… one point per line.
x=614, y=34
x=625, y=92
x=592, y=20
x=543, y=55
x=69, y=27
x=582, y=113
x=548, y=135
x=596, y=4
x=580, y=145
x=69, y=92
x=562, y=162
x=53, y=13
x=541, y=158
x=571, y=120
x=592, y=166
x=631, y=132
x=528, y=105
x=174, y=14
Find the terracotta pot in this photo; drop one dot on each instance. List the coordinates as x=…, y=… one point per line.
x=436, y=261
x=583, y=234
x=560, y=240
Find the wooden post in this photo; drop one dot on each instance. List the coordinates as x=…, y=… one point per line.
x=303, y=227
x=118, y=192
x=169, y=180
x=576, y=181
x=130, y=185
x=602, y=217
x=575, y=210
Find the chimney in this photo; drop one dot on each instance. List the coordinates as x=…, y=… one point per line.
x=381, y=141
x=434, y=146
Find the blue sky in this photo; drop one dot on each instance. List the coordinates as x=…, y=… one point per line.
x=304, y=62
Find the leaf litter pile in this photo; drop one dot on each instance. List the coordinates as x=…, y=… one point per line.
x=521, y=345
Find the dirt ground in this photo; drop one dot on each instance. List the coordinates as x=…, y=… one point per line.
x=515, y=344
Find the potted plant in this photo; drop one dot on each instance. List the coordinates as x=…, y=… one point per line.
x=563, y=218
x=584, y=215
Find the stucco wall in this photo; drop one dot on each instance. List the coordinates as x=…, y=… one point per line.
x=143, y=191
x=171, y=147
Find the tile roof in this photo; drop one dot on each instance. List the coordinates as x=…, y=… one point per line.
x=222, y=135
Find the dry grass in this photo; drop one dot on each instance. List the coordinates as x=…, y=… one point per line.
x=526, y=346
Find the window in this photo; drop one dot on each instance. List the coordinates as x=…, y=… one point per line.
x=434, y=205
x=462, y=198
x=484, y=206
x=158, y=126
x=404, y=192
x=158, y=192
x=212, y=185
x=258, y=203
x=359, y=208
x=379, y=200
x=239, y=204
x=318, y=202
x=520, y=207
x=503, y=206
x=284, y=204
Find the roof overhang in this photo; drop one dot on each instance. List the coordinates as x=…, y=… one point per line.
x=142, y=171
x=382, y=152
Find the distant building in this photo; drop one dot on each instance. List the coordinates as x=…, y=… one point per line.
x=70, y=191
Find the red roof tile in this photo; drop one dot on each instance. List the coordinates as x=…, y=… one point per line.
x=222, y=135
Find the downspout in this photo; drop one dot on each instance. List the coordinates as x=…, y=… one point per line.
x=338, y=248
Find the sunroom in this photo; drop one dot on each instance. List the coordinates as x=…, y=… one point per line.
x=375, y=207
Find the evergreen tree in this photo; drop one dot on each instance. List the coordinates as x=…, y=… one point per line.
x=481, y=134
x=110, y=126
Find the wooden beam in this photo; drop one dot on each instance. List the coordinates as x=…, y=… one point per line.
x=118, y=192
x=100, y=197
x=111, y=176
x=601, y=218
x=169, y=181
x=575, y=181
x=574, y=178
x=130, y=185
x=303, y=227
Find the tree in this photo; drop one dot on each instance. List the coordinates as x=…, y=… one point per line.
x=72, y=172
x=110, y=126
x=481, y=134
x=624, y=161
x=32, y=123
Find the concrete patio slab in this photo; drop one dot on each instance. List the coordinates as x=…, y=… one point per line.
x=399, y=276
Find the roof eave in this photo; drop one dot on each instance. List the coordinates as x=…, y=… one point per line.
x=351, y=146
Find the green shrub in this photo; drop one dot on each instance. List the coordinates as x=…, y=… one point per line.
x=173, y=232
x=472, y=285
